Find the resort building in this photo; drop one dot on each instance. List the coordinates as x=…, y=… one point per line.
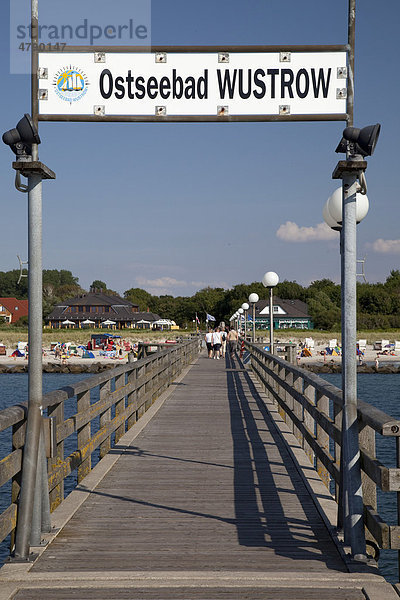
x=96, y=309
x=288, y=314
x=11, y=309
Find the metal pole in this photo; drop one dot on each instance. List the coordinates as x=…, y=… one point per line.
x=245, y=325
x=342, y=507
x=354, y=523
x=34, y=417
x=33, y=426
x=271, y=321
x=351, y=54
x=398, y=501
x=343, y=500
x=254, y=322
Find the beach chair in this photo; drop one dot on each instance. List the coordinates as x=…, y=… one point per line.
x=362, y=345
x=385, y=345
x=397, y=346
x=332, y=343
x=309, y=343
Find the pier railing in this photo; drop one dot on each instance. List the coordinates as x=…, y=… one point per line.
x=87, y=419
x=312, y=408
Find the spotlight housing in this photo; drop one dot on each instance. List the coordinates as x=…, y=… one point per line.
x=22, y=137
x=359, y=141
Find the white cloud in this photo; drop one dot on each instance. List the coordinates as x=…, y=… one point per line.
x=291, y=232
x=161, y=282
x=386, y=246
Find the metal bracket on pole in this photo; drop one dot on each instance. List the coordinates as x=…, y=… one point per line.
x=21, y=274
x=34, y=167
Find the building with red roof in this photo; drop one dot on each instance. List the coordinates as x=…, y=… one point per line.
x=11, y=309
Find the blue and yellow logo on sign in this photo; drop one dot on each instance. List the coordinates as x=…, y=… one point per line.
x=70, y=84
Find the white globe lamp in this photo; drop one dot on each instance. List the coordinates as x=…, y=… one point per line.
x=334, y=206
x=270, y=279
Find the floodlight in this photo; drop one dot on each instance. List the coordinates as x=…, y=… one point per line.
x=22, y=137
x=361, y=141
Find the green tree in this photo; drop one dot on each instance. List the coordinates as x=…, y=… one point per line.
x=58, y=278
x=142, y=298
x=9, y=288
x=97, y=284
x=324, y=313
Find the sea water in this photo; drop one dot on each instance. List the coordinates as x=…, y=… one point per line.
x=381, y=390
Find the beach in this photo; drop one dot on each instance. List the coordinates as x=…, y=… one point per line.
x=372, y=361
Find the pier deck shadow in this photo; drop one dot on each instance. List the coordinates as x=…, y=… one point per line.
x=208, y=486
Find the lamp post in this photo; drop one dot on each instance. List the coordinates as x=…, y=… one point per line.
x=357, y=143
x=270, y=280
x=240, y=311
x=245, y=307
x=253, y=298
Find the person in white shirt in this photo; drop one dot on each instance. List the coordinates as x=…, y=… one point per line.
x=217, y=342
x=209, y=342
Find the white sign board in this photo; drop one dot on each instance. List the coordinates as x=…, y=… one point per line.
x=199, y=84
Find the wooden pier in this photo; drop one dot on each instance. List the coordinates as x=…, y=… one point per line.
x=208, y=495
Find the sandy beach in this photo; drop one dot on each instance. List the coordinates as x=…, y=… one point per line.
x=372, y=361
x=74, y=364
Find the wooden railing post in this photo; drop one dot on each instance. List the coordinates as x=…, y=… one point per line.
x=132, y=396
x=298, y=409
x=322, y=402
x=338, y=417
x=281, y=392
x=309, y=393
x=57, y=494
x=120, y=406
x=289, y=398
x=18, y=435
x=84, y=432
x=140, y=391
x=105, y=418
x=148, y=388
x=367, y=443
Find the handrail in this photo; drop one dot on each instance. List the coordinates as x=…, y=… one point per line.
x=312, y=408
x=100, y=410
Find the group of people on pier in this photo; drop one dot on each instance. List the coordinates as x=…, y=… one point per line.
x=217, y=341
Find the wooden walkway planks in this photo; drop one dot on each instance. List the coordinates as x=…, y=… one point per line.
x=208, y=485
x=185, y=593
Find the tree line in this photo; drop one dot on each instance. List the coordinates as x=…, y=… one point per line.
x=378, y=303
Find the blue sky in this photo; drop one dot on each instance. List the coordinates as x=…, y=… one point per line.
x=175, y=207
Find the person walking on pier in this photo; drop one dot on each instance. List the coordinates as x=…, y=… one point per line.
x=209, y=342
x=232, y=341
x=217, y=343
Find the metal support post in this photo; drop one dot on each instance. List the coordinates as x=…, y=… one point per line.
x=271, y=321
x=254, y=322
x=245, y=325
x=352, y=500
x=34, y=417
x=398, y=501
